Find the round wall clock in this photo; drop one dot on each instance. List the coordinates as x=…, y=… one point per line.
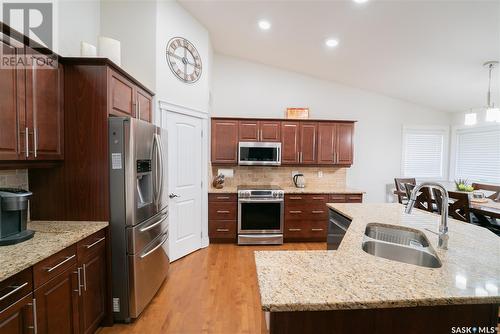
x=184, y=60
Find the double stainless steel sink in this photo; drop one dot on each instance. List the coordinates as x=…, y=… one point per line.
x=399, y=244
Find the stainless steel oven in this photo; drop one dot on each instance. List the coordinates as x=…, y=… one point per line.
x=260, y=215
x=259, y=153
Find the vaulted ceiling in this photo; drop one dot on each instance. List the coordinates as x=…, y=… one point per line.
x=426, y=52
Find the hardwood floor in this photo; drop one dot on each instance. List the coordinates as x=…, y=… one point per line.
x=213, y=290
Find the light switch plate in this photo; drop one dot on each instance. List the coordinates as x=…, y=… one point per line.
x=320, y=173
x=227, y=172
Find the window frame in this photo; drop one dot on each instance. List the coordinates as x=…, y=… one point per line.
x=456, y=131
x=445, y=130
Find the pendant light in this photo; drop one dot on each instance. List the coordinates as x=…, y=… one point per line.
x=492, y=112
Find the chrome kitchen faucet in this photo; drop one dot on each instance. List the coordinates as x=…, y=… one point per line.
x=443, y=227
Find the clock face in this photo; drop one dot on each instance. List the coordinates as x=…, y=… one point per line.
x=184, y=60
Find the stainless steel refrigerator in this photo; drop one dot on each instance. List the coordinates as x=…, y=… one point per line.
x=139, y=214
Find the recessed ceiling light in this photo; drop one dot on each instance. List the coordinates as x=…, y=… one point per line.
x=360, y=1
x=264, y=25
x=331, y=42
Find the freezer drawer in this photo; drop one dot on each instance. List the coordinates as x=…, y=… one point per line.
x=148, y=270
x=141, y=235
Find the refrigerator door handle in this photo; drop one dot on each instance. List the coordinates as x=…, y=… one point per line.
x=156, y=149
x=160, y=153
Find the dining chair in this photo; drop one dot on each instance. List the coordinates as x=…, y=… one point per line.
x=401, y=188
x=488, y=187
x=458, y=207
x=424, y=199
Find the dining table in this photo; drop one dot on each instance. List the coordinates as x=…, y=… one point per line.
x=488, y=207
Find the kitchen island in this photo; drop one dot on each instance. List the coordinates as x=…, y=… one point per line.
x=351, y=291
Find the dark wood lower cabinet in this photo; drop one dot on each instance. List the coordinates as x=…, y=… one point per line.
x=17, y=319
x=57, y=304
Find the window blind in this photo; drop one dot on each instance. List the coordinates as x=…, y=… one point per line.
x=423, y=153
x=478, y=155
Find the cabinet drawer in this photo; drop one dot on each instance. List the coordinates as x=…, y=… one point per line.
x=222, y=230
x=337, y=198
x=91, y=244
x=222, y=211
x=306, y=230
x=15, y=287
x=306, y=199
x=317, y=211
x=222, y=198
x=354, y=198
x=49, y=268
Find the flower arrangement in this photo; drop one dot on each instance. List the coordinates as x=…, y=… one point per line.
x=463, y=185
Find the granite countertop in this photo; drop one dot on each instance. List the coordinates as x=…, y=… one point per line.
x=50, y=237
x=294, y=190
x=349, y=278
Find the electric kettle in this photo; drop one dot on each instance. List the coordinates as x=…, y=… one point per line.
x=299, y=180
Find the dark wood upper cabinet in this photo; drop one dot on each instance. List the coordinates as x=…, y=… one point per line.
x=327, y=143
x=270, y=131
x=57, y=304
x=44, y=113
x=121, y=95
x=308, y=133
x=249, y=131
x=144, y=105
x=9, y=113
x=345, y=133
x=224, y=141
x=290, y=142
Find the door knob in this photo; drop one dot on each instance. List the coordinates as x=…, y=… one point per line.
x=173, y=195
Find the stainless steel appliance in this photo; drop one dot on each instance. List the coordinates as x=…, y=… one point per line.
x=299, y=180
x=139, y=214
x=260, y=215
x=259, y=153
x=14, y=216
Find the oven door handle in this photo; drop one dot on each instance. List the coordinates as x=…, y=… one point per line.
x=261, y=200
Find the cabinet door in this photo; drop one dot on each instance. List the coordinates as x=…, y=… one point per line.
x=121, y=95
x=290, y=142
x=44, y=112
x=57, y=304
x=17, y=319
x=224, y=141
x=92, y=302
x=345, y=133
x=9, y=122
x=327, y=143
x=144, y=105
x=270, y=131
x=308, y=133
x=248, y=130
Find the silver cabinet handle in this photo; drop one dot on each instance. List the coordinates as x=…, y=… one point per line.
x=35, y=141
x=79, y=289
x=68, y=258
x=223, y=211
x=295, y=211
x=84, y=277
x=316, y=229
x=295, y=197
x=318, y=211
x=35, y=325
x=222, y=197
x=318, y=197
x=96, y=242
x=222, y=230
x=26, y=142
x=294, y=229
x=261, y=134
x=16, y=289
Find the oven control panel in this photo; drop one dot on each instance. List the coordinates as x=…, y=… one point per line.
x=261, y=194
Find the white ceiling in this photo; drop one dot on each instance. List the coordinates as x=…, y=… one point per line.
x=426, y=52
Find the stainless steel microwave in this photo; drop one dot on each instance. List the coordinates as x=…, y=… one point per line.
x=259, y=153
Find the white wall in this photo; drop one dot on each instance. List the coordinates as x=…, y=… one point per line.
x=133, y=23
x=242, y=88
x=175, y=21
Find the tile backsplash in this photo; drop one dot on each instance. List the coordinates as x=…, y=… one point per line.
x=250, y=175
x=14, y=178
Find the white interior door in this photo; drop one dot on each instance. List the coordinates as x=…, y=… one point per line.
x=184, y=183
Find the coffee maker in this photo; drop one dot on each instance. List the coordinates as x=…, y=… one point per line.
x=14, y=216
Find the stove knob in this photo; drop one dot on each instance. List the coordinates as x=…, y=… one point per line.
x=275, y=194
